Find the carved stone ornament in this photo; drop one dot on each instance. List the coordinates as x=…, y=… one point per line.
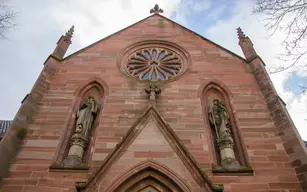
x=80, y=139
x=153, y=91
x=220, y=121
x=156, y=9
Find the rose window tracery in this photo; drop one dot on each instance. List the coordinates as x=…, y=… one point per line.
x=154, y=64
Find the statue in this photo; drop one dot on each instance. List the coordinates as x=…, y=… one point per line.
x=86, y=114
x=80, y=139
x=220, y=121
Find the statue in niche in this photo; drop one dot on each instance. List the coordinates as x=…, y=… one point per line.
x=220, y=121
x=85, y=117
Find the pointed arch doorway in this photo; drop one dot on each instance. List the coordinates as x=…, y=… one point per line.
x=149, y=185
x=148, y=180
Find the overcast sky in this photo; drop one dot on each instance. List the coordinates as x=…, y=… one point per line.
x=41, y=23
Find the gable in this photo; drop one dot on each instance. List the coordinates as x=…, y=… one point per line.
x=150, y=143
x=160, y=25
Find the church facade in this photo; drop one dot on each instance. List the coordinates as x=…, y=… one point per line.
x=153, y=107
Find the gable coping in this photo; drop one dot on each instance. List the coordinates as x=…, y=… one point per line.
x=219, y=46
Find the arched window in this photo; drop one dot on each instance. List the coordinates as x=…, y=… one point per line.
x=229, y=152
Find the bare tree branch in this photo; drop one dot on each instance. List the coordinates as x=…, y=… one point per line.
x=303, y=88
x=7, y=19
x=289, y=16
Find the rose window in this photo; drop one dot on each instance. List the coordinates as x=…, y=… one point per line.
x=155, y=64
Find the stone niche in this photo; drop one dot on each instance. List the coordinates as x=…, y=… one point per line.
x=74, y=150
x=226, y=144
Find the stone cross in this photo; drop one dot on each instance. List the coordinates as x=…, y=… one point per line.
x=153, y=91
x=156, y=9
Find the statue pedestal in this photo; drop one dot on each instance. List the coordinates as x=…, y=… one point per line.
x=76, y=150
x=71, y=161
x=228, y=159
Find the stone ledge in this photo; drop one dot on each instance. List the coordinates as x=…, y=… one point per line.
x=218, y=187
x=242, y=171
x=57, y=167
x=80, y=185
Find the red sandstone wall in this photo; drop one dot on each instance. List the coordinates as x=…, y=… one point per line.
x=179, y=104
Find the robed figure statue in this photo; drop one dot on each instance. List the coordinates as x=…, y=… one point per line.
x=220, y=121
x=86, y=115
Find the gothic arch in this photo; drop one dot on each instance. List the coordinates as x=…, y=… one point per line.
x=207, y=92
x=99, y=90
x=214, y=83
x=94, y=81
x=148, y=174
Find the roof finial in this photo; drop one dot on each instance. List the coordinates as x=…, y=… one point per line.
x=156, y=9
x=63, y=44
x=70, y=32
x=246, y=45
x=240, y=33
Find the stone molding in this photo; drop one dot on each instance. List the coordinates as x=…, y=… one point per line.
x=287, y=131
x=9, y=145
x=153, y=169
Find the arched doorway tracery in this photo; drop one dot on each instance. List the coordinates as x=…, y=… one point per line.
x=148, y=180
